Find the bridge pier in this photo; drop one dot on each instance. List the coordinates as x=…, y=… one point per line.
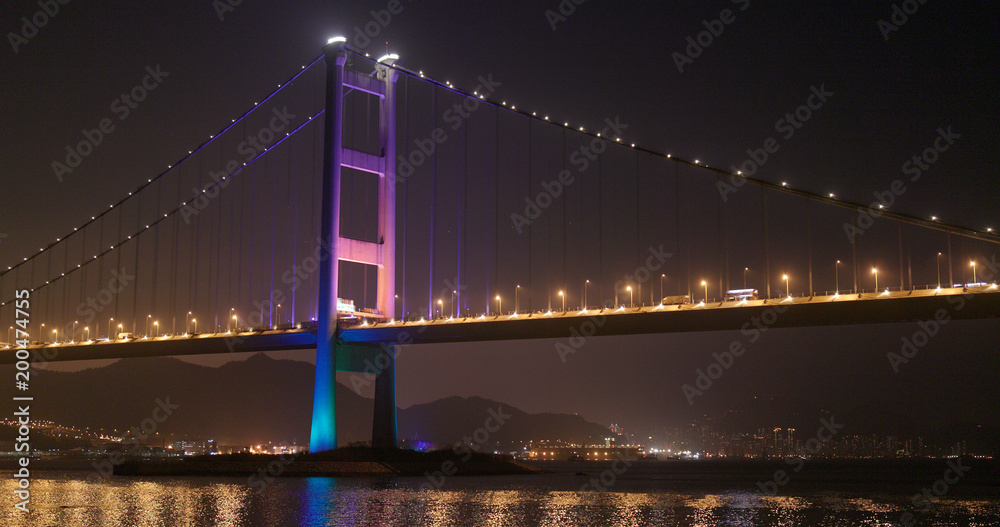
x=384, y=432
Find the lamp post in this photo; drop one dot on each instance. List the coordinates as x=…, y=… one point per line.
x=441, y=307
x=73, y=336
x=156, y=328
x=516, y=289
x=9, y=331
x=109, y=328
x=662, y=276
x=585, y=284
x=55, y=336
x=499, y=310
x=454, y=308
x=278, y=316
x=87, y=329
x=187, y=323
x=195, y=322
x=563, y=296
x=149, y=318
x=939, y=270
x=236, y=322
x=974, y=272
x=875, y=272
x=837, y=273
x=40, y=328
x=231, y=317
x=745, y=270
x=785, y=278
x=629, y=289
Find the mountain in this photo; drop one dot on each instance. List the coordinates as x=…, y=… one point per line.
x=259, y=400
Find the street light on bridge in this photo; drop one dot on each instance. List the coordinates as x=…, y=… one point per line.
x=563, y=296
x=156, y=328
x=745, y=270
x=110, y=320
x=629, y=289
x=586, y=283
x=120, y=328
x=837, y=280
x=87, y=329
x=55, y=336
x=974, y=272
x=73, y=336
x=149, y=318
x=875, y=272
x=785, y=278
x=441, y=307
x=195, y=322
x=662, y=276
x=705, y=285
x=499, y=310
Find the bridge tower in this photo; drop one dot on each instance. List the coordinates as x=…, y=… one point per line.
x=332, y=357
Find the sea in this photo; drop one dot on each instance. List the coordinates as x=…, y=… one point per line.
x=585, y=495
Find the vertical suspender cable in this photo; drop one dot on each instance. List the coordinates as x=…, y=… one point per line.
x=767, y=250
x=809, y=244
x=531, y=288
x=406, y=222
x=239, y=263
x=173, y=262
x=430, y=267
x=638, y=237
x=292, y=162
x=496, y=213
x=902, y=284
x=156, y=255
x=216, y=270
x=600, y=230
x=274, y=227
x=118, y=264
x=720, y=254
x=135, y=260
x=951, y=277
x=49, y=311
x=854, y=260
x=565, y=206
x=677, y=226
x=460, y=253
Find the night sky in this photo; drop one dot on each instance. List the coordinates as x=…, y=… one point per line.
x=892, y=87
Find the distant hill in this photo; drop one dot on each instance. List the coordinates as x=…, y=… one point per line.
x=263, y=399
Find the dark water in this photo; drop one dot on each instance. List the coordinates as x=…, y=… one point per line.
x=635, y=498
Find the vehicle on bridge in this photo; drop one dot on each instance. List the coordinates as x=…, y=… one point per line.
x=125, y=336
x=738, y=295
x=676, y=299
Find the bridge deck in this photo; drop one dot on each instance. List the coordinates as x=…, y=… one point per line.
x=906, y=306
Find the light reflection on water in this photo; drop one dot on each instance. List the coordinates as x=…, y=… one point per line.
x=63, y=499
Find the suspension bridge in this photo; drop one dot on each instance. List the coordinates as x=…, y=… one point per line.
x=363, y=205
